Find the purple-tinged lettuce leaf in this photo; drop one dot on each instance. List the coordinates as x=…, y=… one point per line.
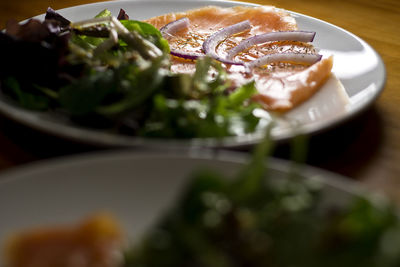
x=51, y=14
x=122, y=15
x=33, y=51
x=32, y=31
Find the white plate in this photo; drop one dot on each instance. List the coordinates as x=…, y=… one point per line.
x=358, y=67
x=135, y=187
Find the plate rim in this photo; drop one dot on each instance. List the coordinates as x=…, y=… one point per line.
x=328, y=178
x=100, y=138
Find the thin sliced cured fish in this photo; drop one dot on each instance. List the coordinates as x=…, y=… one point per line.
x=281, y=85
x=94, y=242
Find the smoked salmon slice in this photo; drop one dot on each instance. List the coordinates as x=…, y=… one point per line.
x=93, y=242
x=282, y=85
x=283, y=93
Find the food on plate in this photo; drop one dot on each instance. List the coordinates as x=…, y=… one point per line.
x=96, y=241
x=254, y=219
x=115, y=74
x=266, y=40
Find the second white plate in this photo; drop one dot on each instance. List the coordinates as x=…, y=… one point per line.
x=136, y=187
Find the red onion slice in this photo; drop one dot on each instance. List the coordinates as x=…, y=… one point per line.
x=174, y=26
x=285, y=57
x=300, y=36
x=186, y=55
x=211, y=43
x=169, y=29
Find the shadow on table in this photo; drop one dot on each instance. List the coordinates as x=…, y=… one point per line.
x=20, y=144
x=344, y=149
x=347, y=148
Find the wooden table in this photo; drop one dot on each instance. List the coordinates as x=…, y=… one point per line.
x=366, y=148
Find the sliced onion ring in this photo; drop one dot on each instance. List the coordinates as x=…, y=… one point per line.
x=300, y=36
x=211, y=43
x=174, y=26
x=186, y=55
x=169, y=29
x=285, y=57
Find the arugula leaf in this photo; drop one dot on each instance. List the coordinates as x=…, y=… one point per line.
x=90, y=42
x=149, y=32
x=83, y=42
x=242, y=94
x=29, y=100
x=104, y=13
x=145, y=29
x=249, y=181
x=83, y=96
x=46, y=91
x=141, y=85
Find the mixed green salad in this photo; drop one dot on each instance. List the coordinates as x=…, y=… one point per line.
x=113, y=74
x=255, y=220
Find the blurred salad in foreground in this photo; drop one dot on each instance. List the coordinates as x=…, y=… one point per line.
x=112, y=73
x=250, y=220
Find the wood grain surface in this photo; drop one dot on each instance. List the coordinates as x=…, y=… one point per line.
x=366, y=148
